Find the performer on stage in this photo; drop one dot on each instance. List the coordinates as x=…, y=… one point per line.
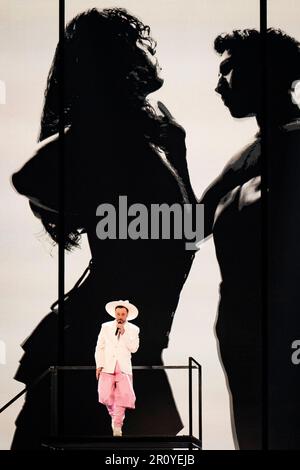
x=117, y=340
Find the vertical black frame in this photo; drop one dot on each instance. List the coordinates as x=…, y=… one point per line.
x=61, y=216
x=264, y=220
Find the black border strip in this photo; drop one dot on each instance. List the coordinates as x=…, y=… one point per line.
x=61, y=218
x=61, y=189
x=264, y=223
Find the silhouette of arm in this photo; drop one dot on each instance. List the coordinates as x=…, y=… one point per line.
x=173, y=143
x=38, y=178
x=242, y=167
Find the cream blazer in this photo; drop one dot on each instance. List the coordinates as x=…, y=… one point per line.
x=110, y=349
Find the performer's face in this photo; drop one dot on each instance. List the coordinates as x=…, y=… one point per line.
x=238, y=86
x=121, y=314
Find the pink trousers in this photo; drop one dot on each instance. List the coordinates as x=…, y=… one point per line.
x=116, y=392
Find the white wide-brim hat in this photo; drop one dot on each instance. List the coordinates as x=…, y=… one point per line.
x=132, y=310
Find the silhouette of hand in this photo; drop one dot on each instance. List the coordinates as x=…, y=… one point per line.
x=172, y=138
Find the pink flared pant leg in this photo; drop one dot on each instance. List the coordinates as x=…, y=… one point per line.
x=116, y=392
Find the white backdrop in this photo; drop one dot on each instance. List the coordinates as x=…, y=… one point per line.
x=28, y=280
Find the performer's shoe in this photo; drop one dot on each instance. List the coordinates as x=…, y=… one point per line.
x=117, y=432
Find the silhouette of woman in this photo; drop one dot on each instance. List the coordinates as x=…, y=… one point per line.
x=113, y=146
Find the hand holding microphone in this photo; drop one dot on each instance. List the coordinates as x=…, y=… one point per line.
x=120, y=328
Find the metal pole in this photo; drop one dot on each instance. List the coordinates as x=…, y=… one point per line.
x=200, y=402
x=190, y=398
x=264, y=218
x=59, y=405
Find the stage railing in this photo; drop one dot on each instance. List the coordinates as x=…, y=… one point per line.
x=54, y=390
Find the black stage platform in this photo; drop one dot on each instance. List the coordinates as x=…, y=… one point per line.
x=122, y=443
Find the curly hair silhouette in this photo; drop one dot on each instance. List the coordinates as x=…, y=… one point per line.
x=105, y=74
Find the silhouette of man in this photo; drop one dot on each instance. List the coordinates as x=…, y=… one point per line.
x=237, y=229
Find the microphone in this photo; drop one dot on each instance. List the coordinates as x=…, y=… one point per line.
x=117, y=330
